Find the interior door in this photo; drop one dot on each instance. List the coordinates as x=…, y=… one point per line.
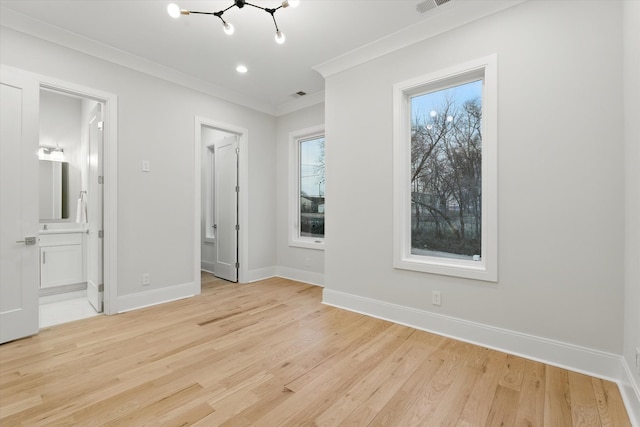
x=95, y=283
x=226, y=208
x=19, y=252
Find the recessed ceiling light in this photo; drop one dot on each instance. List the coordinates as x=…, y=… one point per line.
x=241, y=69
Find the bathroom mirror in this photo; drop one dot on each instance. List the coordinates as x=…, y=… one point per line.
x=54, y=190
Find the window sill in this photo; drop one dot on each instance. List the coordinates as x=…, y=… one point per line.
x=478, y=270
x=308, y=244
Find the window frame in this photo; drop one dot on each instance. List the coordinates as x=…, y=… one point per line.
x=295, y=138
x=487, y=268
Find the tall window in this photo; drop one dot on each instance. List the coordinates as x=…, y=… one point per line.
x=307, y=189
x=445, y=172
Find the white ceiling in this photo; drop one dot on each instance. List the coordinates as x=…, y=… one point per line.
x=195, y=48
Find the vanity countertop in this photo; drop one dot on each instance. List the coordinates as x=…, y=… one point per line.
x=62, y=231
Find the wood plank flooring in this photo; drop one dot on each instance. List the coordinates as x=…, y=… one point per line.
x=270, y=354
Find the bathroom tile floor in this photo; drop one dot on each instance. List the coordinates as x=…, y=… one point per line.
x=63, y=308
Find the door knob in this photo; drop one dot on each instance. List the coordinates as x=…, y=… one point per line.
x=27, y=241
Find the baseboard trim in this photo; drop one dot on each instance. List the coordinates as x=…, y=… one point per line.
x=260, y=274
x=155, y=297
x=576, y=358
x=630, y=391
x=206, y=266
x=301, y=275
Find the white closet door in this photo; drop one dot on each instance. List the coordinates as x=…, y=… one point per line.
x=19, y=252
x=226, y=209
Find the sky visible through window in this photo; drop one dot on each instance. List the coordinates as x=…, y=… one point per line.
x=422, y=105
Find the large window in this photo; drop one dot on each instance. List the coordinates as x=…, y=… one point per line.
x=307, y=189
x=445, y=172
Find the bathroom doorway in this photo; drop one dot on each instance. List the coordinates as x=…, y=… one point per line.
x=71, y=207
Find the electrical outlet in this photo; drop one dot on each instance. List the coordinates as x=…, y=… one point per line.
x=146, y=279
x=146, y=166
x=435, y=298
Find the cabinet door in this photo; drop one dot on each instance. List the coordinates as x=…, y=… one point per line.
x=60, y=265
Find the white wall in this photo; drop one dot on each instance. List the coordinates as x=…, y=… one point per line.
x=294, y=262
x=560, y=170
x=156, y=123
x=631, y=26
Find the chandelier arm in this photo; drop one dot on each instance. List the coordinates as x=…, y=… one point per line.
x=202, y=13
x=274, y=22
x=254, y=5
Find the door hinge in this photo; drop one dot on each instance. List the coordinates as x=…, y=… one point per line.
x=237, y=227
x=237, y=188
x=237, y=265
x=100, y=125
x=237, y=151
x=100, y=234
x=100, y=180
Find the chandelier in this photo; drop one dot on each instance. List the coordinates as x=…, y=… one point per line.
x=175, y=12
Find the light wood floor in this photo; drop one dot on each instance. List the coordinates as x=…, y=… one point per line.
x=270, y=354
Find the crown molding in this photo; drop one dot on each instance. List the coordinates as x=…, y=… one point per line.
x=21, y=23
x=444, y=18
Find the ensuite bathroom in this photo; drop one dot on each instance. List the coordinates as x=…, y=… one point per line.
x=70, y=208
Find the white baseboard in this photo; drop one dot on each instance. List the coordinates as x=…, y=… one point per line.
x=301, y=275
x=576, y=358
x=630, y=390
x=155, y=296
x=260, y=274
x=206, y=266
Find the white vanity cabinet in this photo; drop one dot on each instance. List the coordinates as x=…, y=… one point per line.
x=61, y=259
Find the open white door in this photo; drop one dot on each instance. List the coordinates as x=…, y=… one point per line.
x=95, y=282
x=19, y=254
x=226, y=208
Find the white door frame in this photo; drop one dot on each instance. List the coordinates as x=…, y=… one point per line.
x=110, y=171
x=243, y=196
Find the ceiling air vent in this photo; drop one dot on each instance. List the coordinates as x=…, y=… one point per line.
x=301, y=93
x=427, y=5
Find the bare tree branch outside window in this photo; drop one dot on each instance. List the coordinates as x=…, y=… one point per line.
x=446, y=172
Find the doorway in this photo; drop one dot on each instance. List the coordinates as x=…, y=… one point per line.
x=220, y=226
x=71, y=207
x=20, y=229
x=221, y=199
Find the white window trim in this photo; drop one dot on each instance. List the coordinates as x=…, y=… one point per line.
x=294, y=189
x=487, y=268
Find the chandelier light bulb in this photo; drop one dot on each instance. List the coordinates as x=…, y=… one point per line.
x=294, y=3
x=228, y=28
x=173, y=10
x=280, y=38
x=241, y=69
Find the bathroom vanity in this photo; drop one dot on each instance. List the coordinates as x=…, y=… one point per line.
x=61, y=257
